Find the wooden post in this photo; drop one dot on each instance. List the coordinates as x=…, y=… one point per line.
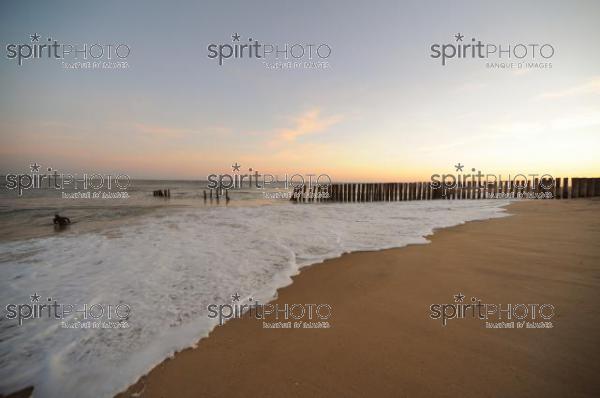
x=435, y=191
x=597, y=186
x=548, y=186
x=557, y=190
x=581, y=185
x=589, y=188
x=574, y=188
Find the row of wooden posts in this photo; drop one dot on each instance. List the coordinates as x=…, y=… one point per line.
x=558, y=188
x=163, y=193
x=218, y=193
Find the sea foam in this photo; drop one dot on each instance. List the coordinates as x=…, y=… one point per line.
x=168, y=268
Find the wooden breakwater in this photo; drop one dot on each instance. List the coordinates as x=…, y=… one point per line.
x=558, y=188
x=163, y=193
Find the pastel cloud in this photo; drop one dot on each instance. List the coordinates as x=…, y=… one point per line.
x=310, y=122
x=592, y=86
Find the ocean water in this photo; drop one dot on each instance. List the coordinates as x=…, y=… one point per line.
x=167, y=260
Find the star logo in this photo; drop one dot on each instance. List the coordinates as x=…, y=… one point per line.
x=459, y=37
x=235, y=297
x=235, y=37
x=459, y=167
x=34, y=37
x=459, y=298
x=236, y=166
x=35, y=167
x=35, y=298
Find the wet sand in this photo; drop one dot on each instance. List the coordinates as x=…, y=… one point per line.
x=382, y=341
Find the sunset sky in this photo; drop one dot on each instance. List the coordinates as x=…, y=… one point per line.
x=384, y=110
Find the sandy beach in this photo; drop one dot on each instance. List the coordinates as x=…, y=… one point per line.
x=382, y=341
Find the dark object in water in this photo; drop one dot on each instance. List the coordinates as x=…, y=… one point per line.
x=163, y=193
x=58, y=220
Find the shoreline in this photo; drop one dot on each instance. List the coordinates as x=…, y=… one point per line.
x=378, y=237
x=207, y=368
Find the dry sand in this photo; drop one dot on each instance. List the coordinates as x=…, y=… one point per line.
x=382, y=341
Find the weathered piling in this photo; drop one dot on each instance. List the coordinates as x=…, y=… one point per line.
x=162, y=193
x=574, y=188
